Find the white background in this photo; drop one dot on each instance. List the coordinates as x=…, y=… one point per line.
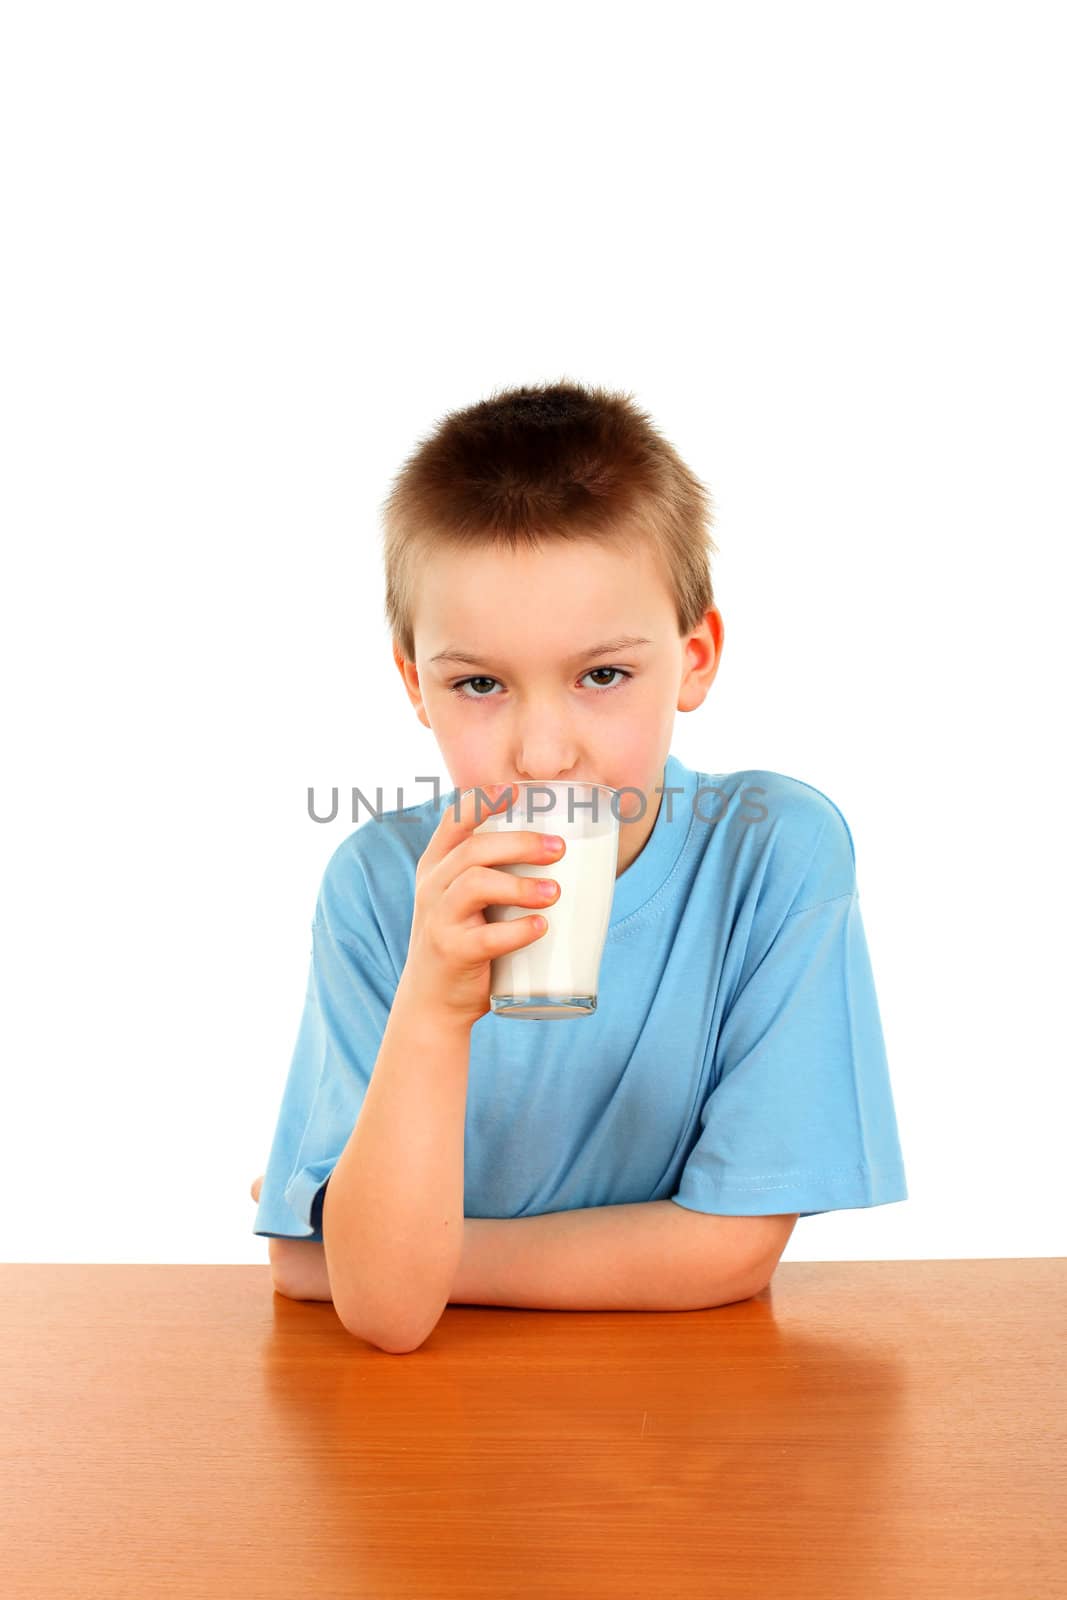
x=252, y=254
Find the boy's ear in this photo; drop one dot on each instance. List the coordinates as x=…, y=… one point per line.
x=703, y=652
x=409, y=674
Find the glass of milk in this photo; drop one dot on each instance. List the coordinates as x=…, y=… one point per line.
x=557, y=976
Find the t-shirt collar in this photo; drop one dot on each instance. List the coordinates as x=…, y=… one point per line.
x=646, y=875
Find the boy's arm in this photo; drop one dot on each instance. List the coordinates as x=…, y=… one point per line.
x=297, y=1266
x=392, y=1216
x=298, y=1269
x=649, y=1256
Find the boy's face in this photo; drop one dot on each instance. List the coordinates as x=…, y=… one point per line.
x=535, y=703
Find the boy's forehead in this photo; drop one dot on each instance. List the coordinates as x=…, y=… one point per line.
x=621, y=587
x=501, y=607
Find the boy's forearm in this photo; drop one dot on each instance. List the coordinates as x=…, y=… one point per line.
x=393, y=1210
x=649, y=1255
x=617, y=1258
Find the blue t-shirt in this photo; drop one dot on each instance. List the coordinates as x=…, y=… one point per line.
x=735, y=1062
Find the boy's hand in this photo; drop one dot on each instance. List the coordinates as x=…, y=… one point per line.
x=452, y=945
x=257, y=1184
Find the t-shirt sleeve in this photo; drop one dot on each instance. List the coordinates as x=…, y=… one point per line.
x=801, y=1116
x=350, y=991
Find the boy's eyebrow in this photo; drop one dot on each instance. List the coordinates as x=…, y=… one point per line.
x=626, y=642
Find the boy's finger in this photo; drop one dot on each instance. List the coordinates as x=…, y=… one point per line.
x=474, y=806
x=257, y=1184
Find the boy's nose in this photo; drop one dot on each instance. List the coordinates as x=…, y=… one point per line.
x=549, y=759
x=546, y=772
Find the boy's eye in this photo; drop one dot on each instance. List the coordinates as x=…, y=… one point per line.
x=480, y=694
x=458, y=688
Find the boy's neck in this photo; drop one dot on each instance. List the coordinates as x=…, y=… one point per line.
x=635, y=835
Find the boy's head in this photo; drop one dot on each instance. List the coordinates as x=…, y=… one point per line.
x=527, y=529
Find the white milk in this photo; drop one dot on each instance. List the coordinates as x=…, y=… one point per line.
x=564, y=961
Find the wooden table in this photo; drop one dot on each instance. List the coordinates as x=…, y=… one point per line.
x=862, y=1428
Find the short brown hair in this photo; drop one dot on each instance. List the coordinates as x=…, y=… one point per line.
x=543, y=462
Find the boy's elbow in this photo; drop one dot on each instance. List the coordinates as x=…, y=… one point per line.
x=390, y=1347
x=392, y=1329
x=394, y=1341
x=290, y=1278
x=298, y=1269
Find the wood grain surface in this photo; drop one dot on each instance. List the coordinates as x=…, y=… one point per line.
x=862, y=1429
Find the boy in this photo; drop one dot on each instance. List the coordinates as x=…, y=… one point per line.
x=550, y=605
